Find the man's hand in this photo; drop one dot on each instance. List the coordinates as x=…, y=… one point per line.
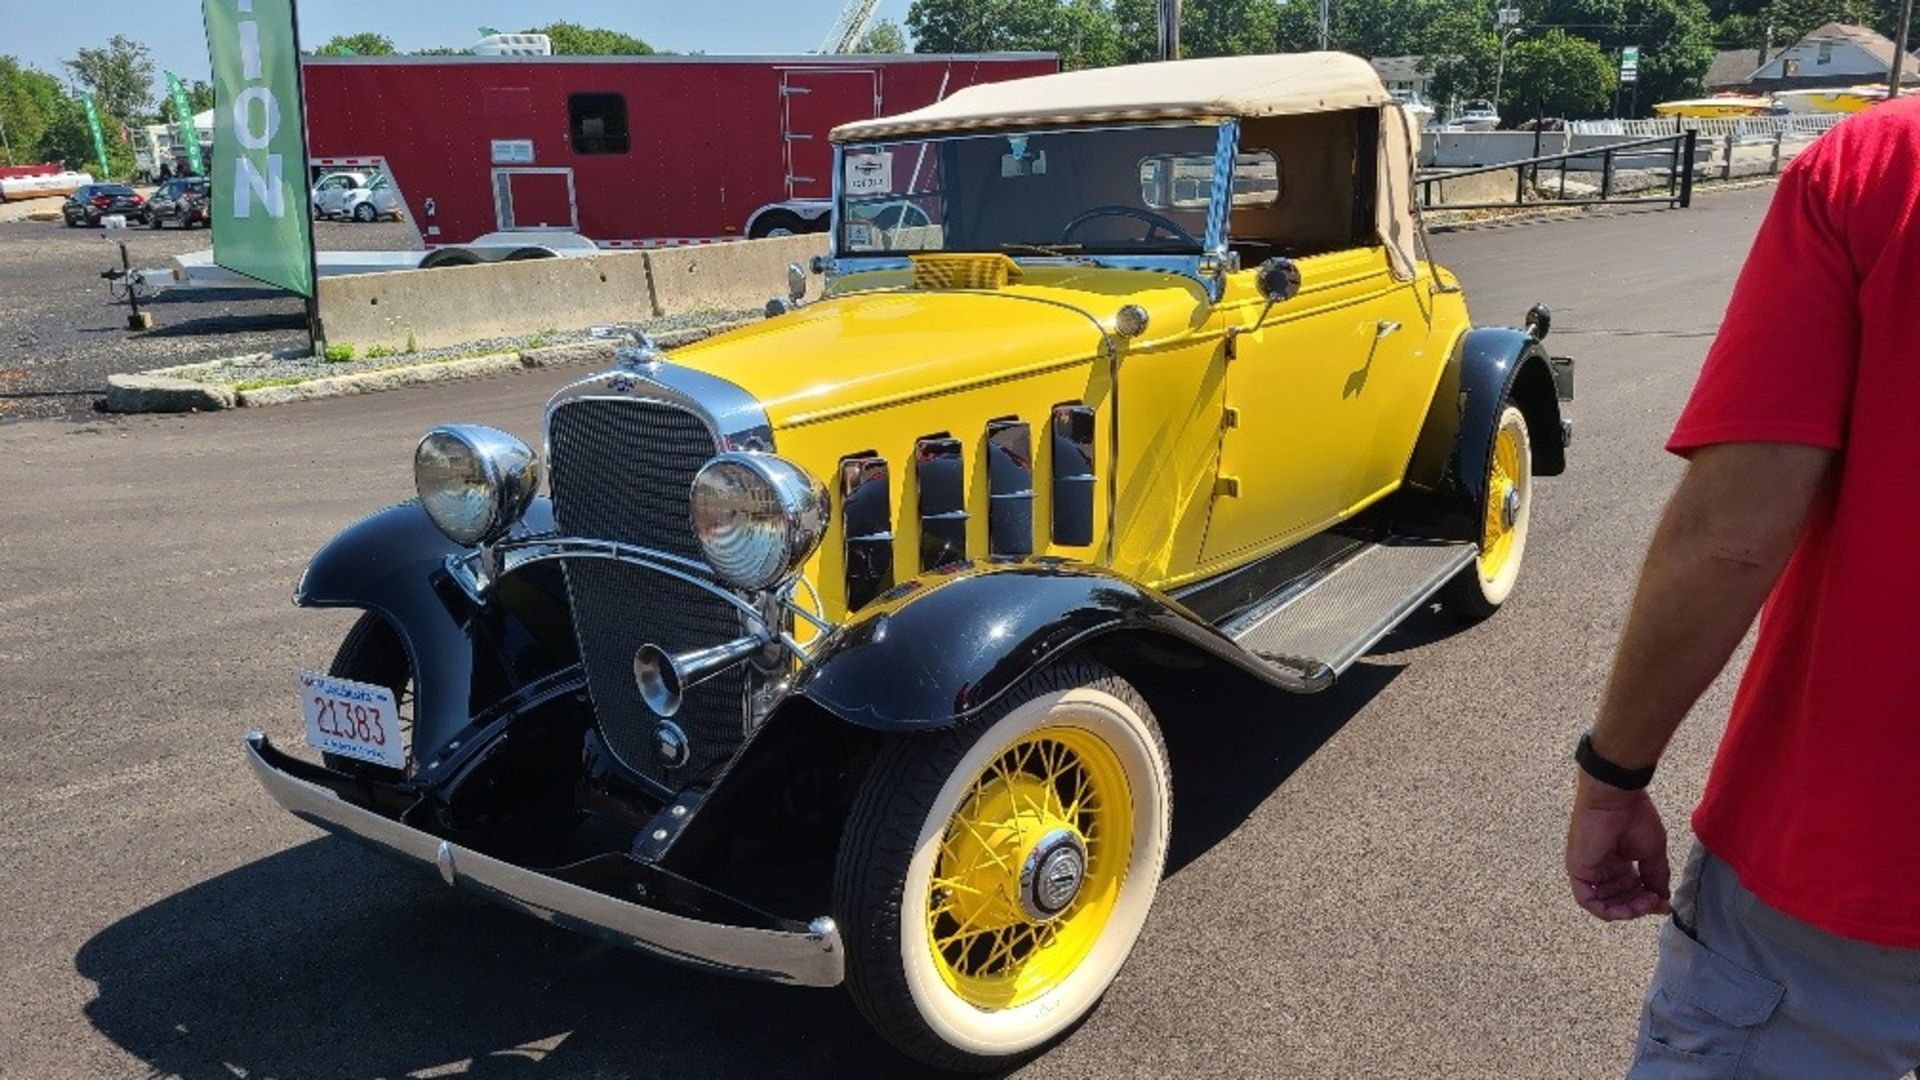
x=1617, y=852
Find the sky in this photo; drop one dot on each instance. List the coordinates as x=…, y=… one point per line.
x=44, y=33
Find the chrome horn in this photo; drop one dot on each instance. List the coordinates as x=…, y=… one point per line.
x=664, y=678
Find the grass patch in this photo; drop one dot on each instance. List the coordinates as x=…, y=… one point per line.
x=338, y=354
x=381, y=352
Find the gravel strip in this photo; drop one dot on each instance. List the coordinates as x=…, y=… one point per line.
x=289, y=366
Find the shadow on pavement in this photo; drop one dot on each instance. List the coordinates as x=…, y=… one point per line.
x=230, y=324
x=327, y=960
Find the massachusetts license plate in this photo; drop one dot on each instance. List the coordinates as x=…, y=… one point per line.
x=352, y=719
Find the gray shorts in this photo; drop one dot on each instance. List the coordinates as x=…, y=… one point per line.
x=1743, y=990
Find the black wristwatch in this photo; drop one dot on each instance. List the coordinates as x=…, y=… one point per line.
x=1606, y=771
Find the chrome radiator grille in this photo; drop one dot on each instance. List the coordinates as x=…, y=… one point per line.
x=622, y=470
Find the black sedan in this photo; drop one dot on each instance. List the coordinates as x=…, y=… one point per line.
x=182, y=200
x=91, y=202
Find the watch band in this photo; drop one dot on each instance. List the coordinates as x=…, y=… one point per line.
x=1607, y=772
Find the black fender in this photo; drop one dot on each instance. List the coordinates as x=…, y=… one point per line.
x=465, y=656
x=1445, y=494
x=937, y=649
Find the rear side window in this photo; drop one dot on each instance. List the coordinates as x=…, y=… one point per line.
x=598, y=123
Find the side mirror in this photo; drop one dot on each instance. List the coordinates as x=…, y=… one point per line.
x=1278, y=280
x=796, y=282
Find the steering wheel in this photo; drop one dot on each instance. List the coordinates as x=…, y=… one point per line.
x=1155, y=222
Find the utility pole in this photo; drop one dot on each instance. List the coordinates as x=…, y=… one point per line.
x=3, y=140
x=1326, y=23
x=1508, y=23
x=1900, y=50
x=1169, y=29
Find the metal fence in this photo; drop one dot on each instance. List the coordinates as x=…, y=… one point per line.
x=1673, y=150
x=1742, y=128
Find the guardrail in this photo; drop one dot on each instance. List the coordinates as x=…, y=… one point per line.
x=1676, y=147
x=1743, y=128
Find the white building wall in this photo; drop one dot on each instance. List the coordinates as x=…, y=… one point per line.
x=1821, y=58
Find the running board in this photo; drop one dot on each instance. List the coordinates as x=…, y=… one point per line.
x=1316, y=628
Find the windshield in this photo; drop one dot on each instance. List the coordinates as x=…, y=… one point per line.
x=1109, y=191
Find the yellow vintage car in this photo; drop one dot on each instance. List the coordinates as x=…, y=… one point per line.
x=839, y=647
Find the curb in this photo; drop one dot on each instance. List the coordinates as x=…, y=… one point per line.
x=147, y=392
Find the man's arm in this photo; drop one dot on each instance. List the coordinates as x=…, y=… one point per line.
x=1722, y=543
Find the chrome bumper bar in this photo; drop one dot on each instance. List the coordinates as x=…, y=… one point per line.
x=811, y=958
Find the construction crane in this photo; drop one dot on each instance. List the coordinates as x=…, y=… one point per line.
x=851, y=26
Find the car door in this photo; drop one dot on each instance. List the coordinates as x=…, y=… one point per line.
x=1305, y=396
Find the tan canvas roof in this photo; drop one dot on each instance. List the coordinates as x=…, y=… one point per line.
x=1219, y=88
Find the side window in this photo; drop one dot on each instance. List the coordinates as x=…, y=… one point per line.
x=1186, y=181
x=598, y=123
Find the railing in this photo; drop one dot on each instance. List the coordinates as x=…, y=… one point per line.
x=1742, y=128
x=1677, y=150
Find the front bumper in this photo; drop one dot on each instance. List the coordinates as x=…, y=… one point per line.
x=811, y=958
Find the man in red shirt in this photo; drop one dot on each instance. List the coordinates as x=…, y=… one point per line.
x=1794, y=947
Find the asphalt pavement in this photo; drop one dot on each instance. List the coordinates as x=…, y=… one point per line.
x=1363, y=883
x=62, y=332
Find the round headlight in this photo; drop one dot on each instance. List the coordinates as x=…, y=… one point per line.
x=474, y=482
x=758, y=517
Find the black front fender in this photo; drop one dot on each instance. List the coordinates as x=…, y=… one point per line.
x=465, y=656
x=940, y=648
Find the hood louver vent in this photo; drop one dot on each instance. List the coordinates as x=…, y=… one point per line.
x=961, y=271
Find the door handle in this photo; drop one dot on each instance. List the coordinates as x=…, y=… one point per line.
x=1386, y=328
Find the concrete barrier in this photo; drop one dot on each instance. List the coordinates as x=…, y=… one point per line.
x=727, y=277
x=456, y=304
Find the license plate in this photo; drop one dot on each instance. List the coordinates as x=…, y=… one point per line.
x=352, y=719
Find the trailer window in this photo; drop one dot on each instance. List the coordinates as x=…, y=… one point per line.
x=599, y=123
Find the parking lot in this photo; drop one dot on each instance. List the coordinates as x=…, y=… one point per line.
x=1363, y=883
x=62, y=333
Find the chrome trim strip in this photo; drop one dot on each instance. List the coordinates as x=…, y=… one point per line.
x=471, y=572
x=811, y=958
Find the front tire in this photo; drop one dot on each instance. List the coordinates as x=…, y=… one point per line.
x=1480, y=589
x=365, y=213
x=993, y=877
x=372, y=652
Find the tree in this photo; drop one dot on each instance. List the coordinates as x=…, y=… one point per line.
x=1675, y=38
x=1081, y=31
x=367, y=44
x=572, y=39
x=884, y=36
x=30, y=103
x=1230, y=27
x=199, y=95
x=120, y=77
x=1557, y=74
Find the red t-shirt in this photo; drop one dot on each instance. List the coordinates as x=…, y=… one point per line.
x=1813, y=797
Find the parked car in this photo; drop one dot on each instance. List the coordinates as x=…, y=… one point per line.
x=839, y=648
x=376, y=200
x=330, y=191
x=91, y=202
x=182, y=199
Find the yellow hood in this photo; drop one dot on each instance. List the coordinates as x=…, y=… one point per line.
x=861, y=350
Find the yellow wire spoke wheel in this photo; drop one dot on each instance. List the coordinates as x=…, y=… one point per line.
x=993, y=877
x=1479, y=591
x=1030, y=867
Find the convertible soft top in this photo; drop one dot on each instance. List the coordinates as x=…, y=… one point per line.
x=1220, y=88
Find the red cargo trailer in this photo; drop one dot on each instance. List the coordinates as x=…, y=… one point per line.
x=624, y=151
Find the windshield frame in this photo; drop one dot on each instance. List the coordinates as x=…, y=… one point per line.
x=1204, y=266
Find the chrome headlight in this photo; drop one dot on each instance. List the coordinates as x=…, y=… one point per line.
x=758, y=517
x=474, y=482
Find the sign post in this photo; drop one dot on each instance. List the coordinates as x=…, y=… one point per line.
x=183, y=111
x=99, y=140
x=261, y=225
